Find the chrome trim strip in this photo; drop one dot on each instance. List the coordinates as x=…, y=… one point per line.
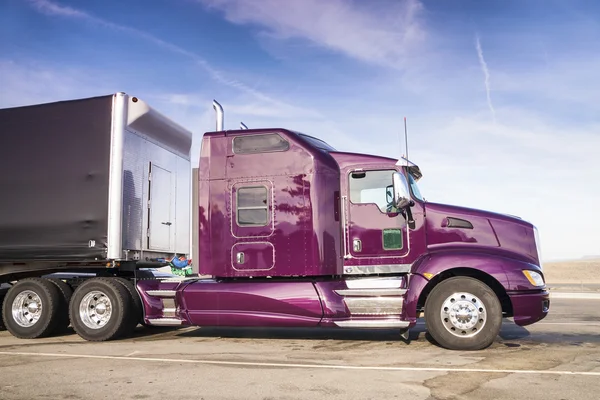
x=162, y=293
x=371, y=292
x=195, y=224
x=165, y=322
x=178, y=279
x=392, y=282
x=115, y=178
x=373, y=323
x=344, y=227
x=376, y=269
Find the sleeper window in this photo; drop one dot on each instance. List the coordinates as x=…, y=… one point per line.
x=249, y=144
x=252, y=206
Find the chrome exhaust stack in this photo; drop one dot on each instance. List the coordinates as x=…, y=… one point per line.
x=220, y=115
x=243, y=126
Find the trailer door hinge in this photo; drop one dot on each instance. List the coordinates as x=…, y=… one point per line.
x=148, y=232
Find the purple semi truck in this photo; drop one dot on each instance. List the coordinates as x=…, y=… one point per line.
x=283, y=231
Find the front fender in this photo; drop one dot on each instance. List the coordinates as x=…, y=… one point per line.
x=505, y=272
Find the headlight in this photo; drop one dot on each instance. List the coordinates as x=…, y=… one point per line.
x=534, y=278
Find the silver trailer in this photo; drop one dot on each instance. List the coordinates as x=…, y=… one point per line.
x=101, y=181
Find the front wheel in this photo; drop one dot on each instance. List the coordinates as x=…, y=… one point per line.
x=463, y=313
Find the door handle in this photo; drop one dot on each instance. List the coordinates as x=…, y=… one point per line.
x=357, y=245
x=239, y=257
x=166, y=223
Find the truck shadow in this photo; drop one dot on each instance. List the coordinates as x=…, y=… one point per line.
x=509, y=331
x=511, y=335
x=276, y=333
x=418, y=333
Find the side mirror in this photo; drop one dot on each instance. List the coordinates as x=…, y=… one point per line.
x=400, y=190
x=389, y=194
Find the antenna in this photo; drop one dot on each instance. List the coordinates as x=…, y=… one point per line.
x=406, y=143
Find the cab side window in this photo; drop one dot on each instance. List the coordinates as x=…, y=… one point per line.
x=371, y=187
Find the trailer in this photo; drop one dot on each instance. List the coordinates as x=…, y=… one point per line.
x=283, y=230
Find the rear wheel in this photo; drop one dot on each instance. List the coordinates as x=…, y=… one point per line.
x=101, y=309
x=66, y=294
x=2, y=326
x=463, y=313
x=31, y=308
x=136, y=303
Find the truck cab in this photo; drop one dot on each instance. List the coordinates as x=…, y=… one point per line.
x=285, y=219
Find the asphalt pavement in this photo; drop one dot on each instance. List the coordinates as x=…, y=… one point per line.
x=557, y=358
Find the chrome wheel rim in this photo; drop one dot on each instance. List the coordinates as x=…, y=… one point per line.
x=27, y=308
x=95, y=309
x=463, y=314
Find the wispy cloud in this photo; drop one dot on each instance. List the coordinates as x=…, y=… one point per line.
x=486, y=74
x=54, y=9
x=377, y=35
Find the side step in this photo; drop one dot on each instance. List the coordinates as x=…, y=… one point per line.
x=162, y=293
x=374, y=296
x=373, y=324
x=169, y=314
x=165, y=322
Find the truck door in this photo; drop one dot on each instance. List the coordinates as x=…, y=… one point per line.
x=159, y=209
x=252, y=226
x=376, y=234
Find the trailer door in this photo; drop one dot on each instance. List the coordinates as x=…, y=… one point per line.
x=159, y=214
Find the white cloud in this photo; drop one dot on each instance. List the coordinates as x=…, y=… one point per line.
x=55, y=9
x=377, y=35
x=32, y=83
x=486, y=74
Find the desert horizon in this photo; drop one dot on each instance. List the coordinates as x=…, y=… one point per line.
x=579, y=271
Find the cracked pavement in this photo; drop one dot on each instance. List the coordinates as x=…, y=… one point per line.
x=219, y=363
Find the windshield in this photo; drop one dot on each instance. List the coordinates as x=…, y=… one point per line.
x=318, y=143
x=414, y=188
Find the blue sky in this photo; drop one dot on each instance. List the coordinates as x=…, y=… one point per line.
x=502, y=97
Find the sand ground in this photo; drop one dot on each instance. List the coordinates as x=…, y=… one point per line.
x=579, y=272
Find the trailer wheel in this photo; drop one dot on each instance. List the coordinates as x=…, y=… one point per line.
x=2, y=326
x=31, y=308
x=463, y=313
x=136, y=303
x=66, y=291
x=100, y=309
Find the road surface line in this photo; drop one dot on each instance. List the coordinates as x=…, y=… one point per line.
x=509, y=323
x=567, y=323
x=308, y=366
x=575, y=296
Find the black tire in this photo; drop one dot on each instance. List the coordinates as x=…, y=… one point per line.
x=47, y=319
x=2, y=326
x=136, y=304
x=465, y=331
x=110, y=291
x=67, y=292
